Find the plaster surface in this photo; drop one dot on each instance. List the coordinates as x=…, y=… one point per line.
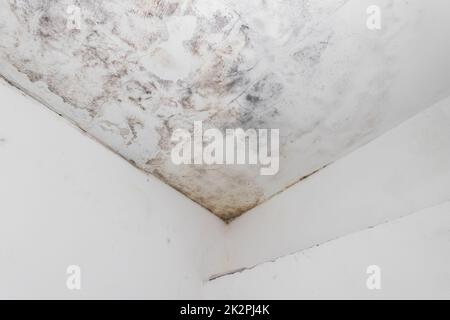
x=67, y=201
x=412, y=254
x=404, y=171
x=137, y=70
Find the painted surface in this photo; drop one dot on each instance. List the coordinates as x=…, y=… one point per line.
x=137, y=70
x=65, y=200
x=404, y=171
x=412, y=256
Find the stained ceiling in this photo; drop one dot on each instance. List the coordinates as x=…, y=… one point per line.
x=134, y=71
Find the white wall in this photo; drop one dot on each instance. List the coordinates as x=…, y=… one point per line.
x=64, y=200
x=413, y=254
x=402, y=172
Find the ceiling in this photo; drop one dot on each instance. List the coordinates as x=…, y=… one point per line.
x=135, y=71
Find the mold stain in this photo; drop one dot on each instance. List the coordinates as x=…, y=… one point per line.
x=243, y=69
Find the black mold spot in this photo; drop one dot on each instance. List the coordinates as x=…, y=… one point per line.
x=253, y=99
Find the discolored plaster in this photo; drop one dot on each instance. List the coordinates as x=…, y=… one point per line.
x=138, y=70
